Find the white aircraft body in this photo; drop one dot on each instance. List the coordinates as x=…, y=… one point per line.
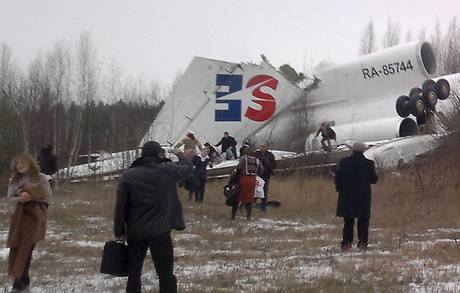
x=216, y=96
x=358, y=99
x=378, y=97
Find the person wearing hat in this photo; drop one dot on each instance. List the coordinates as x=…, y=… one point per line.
x=147, y=209
x=353, y=180
x=190, y=143
x=327, y=134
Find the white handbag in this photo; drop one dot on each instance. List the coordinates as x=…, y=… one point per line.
x=259, y=192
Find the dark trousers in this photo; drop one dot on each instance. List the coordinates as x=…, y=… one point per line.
x=24, y=281
x=199, y=191
x=162, y=252
x=234, y=152
x=323, y=144
x=248, y=207
x=263, y=204
x=363, y=231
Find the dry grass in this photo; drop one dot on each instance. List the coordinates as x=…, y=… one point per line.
x=291, y=249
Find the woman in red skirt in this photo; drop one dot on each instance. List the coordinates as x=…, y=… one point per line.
x=248, y=167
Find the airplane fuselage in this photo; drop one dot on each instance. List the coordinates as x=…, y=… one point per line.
x=250, y=100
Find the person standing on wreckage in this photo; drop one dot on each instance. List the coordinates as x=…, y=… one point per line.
x=228, y=144
x=147, y=209
x=353, y=181
x=327, y=134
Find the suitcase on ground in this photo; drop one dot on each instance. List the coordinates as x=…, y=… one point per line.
x=115, y=259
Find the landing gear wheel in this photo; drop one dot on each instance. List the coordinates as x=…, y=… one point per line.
x=416, y=105
x=429, y=94
x=428, y=84
x=416, y=91
x=430, y=98
x=402, y=106
x=421, y=119
x=442, y=88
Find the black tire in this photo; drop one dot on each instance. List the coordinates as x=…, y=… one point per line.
x=442, y=89
x=428, y=84
x=430, y=98
x=402, y=106
x=416, y=105
x=421, y=119
x=415, y=91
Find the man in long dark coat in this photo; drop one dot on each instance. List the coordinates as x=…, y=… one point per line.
x=47, y=161
x=146, y=211
x=352, y=181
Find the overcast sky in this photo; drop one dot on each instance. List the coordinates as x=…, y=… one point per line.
x=159, y=38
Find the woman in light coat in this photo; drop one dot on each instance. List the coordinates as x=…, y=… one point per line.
x=30, y=193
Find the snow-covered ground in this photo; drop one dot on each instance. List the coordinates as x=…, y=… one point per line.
x=267, y=254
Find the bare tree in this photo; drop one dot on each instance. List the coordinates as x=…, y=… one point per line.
x=55, y=100
x=436, y=42
x=58, y=68
x=367, y=44
x=408, y=37
x=392, y=35
x=451, y=62
x=6, y=70
x=10, y=130
x=112, y=82
x=29, y=89
x=85, y=90
x=422, y=34
x=8, y=74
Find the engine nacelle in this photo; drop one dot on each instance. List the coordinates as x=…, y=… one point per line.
x=389, y=71
x=366, y=131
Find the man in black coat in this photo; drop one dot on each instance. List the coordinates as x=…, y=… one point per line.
x=268, y=162
x=352, y=181
x=200, y=163
x=146, y=211
x=47, y=160
x=228, y=142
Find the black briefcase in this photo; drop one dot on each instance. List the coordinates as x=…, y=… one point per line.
x=115, y=259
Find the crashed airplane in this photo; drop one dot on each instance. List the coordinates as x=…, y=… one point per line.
x=386, y=99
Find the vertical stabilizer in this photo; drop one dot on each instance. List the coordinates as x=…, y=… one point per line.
x=216, y=96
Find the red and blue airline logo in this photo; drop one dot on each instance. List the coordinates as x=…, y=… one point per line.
x=233, y=112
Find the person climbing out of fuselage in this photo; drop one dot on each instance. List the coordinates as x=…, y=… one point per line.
x=228, y=144
x=327, y=134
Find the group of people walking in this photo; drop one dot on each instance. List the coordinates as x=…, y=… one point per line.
x=148, y=207
x=202, y=156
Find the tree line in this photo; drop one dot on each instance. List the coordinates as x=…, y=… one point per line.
x=69, y=98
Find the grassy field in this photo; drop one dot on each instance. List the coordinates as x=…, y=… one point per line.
x=414, y=239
